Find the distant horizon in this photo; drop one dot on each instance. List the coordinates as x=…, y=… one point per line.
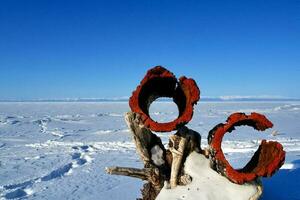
x=163, y=99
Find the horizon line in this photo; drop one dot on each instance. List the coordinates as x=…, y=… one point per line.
x=163, y=99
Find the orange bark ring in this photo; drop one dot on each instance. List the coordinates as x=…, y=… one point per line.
x=268, y=158
x=159, y=82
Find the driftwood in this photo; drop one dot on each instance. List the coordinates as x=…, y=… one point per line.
x=160, y=165
x=184, y=165
x=155, y=171
x=167, y=172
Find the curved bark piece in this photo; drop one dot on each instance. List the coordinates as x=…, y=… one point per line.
x=159, y=82
x=268, y=158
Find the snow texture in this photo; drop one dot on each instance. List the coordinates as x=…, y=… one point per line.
x=59, y=150
x=157, y=155
x=207, y=184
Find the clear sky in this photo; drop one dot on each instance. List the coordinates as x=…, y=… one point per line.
x=68, y=49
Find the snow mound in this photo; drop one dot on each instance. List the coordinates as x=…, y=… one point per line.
x=207, y=184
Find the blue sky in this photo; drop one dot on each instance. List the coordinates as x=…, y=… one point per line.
x=69, y=49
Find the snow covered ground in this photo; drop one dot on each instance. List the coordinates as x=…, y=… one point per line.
x=59, y=150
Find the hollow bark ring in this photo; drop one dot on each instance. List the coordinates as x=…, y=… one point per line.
x=268, y=158
x=159, y=82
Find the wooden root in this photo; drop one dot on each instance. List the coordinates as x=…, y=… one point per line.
x=160, y=165
x=177, y=147
x=143, y=174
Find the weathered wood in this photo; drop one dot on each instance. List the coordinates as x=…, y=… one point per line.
x=184, y=142
x=177, y=147
x=193, y=139
x=127, y=171
x=144, y=139
x=153, y=154
x=160, y=165
x=141, y=135
x=150, y=174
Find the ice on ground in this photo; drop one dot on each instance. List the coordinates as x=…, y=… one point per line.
x=60, y=150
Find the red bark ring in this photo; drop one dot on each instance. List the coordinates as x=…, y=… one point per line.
x=159, y=82
x=268, y=158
